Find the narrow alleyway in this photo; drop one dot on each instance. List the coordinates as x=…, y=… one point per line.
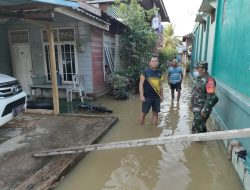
x=179, y=166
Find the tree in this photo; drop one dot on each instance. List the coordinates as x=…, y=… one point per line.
x=170, y=41
x=138, y=40
x=166, y=55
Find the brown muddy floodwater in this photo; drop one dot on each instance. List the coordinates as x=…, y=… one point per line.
x=178, y=166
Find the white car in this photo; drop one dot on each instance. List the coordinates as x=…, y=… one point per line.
x=12, y=98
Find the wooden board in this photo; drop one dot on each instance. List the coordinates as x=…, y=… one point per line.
x=218, y=135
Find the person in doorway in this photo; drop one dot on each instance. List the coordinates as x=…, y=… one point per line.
x=151, y=92
x=175, y=77
x=203, y=98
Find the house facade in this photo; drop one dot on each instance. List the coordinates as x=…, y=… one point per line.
x=82, y=35
x=221, y=39
x=86, y=42
x=160, y=16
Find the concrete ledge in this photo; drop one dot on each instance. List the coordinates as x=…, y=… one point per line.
x=39, y=111
x=234, y=96
x=238, y=163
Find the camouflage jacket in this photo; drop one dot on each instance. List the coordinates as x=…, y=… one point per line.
x=201, y=99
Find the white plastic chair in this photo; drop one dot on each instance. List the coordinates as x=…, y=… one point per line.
x=78, y=87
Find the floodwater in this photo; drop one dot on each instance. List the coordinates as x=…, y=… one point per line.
x=177, y=166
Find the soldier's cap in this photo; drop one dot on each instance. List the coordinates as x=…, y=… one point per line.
x=202, y=64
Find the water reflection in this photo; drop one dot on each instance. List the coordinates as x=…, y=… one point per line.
x=173, y=116
x=208, y=167
x=197, y=164
x=126, y=176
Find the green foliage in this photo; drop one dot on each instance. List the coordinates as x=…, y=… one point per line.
x=119, y=85
x=165, y=55
x=170, y=41
x=138, y=40
x=169, y=52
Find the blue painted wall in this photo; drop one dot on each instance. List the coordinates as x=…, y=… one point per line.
x=231, y=63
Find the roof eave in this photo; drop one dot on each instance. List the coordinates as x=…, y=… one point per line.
x=65, y=3
x=207, y=7
x=200, y=18
x=84, y=16
x=163, y=11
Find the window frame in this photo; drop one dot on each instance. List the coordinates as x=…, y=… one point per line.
x=58, y=44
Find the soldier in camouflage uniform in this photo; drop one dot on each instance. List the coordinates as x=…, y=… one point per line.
x=203, y=98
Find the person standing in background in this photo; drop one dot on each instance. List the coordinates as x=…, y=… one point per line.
x=175, y=78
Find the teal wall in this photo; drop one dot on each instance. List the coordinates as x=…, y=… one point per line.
x=201, y=41
x=228, y=54
x=196, y=46
x=231, y=63
x=5, y=57
x=210, y=45
x=207, y=37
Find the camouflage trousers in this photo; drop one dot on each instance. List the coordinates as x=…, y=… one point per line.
x=199, y=123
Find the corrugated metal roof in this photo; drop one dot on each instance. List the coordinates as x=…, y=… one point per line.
x=41, y=9
x=91, y=15
x=67, y=3
x=54, y=2
x=145, y=3
x=111, y=11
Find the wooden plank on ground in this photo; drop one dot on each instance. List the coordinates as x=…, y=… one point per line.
x=45, y=178
x=218, y=135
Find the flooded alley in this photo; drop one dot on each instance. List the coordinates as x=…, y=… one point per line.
x=177, y=166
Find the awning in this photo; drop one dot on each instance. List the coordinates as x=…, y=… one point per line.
x=200, y=18
x=43, y=10
x=67, y=3
x=31, y=10
x=207, y=6
x=84, y=16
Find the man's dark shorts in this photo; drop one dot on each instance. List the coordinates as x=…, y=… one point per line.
x=176, y=86
x=154, y=102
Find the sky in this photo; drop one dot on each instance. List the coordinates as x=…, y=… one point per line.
x=182, y=14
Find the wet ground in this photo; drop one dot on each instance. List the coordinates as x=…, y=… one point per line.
x=30, y=133
x=178, y=166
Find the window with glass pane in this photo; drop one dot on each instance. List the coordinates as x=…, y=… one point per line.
x=68, y=61
x=64, y=52
x=48, y=65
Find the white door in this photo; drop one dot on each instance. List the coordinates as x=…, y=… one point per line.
x=22, y=64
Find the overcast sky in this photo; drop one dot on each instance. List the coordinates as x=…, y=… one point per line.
x=182, y=14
